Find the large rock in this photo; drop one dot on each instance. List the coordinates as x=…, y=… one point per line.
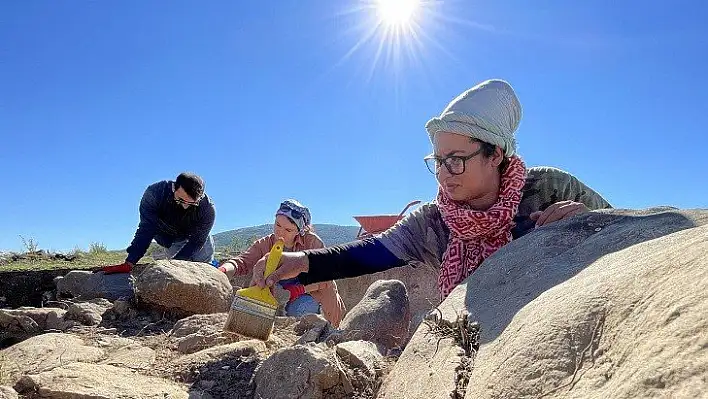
x=88, y=285
x=88, y=312
x=302, y=371
x=364, y=366
x=19, y=324
x=33, y=320
x=84, y=380
x=421, y=285
x=73, y=283
x=574, y=309
x=382, y=316
x=45, y=352
x=363, y=355
x=185, y=287
x=15, y=322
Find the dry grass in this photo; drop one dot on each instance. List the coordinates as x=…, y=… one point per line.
x=79, y=260
x=465, y=333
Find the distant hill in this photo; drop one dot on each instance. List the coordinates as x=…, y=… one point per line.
x=331, y=234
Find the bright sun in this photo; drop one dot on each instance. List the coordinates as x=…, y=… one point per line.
x=396, y=13
x=394, y=31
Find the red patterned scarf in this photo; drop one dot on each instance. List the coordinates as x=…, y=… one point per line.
x=475, y=235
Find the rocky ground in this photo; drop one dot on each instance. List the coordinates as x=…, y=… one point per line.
x=168, y=340
x=81, y=346
x=606, y=304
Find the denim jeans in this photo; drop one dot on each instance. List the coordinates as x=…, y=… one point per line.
x=204, y=254
x=302, y=305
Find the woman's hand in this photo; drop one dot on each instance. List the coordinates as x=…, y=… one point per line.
x=291, y=264
x=558, y=211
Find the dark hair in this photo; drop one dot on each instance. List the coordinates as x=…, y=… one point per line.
x=192, y=184
x=488, y=150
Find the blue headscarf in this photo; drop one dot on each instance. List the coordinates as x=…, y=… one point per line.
x=297, y=213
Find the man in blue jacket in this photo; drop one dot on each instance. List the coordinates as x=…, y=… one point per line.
x=179, y=216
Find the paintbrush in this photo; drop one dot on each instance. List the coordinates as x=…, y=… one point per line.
x=253, y=309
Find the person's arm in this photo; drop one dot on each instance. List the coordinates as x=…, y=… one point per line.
x=551, y=194
x=546, y=186
x=572, y=189
x=314, y=242
x=348, y=260
x=419, y=238
x=200, y=235
x=147, y=226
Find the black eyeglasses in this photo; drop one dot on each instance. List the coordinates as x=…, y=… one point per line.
x=183, y=202
x=455, y=164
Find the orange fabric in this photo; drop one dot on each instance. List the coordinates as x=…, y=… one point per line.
x=325, y=293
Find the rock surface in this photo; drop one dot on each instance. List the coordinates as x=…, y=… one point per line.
x=185, y=287
x=87, y=285
x=201, y=331
x=420, y=282
x=46, y=352
x=33, y=320
x=187, y=366
x=606, y=304
x=88, y=312
x=383, y=316
x=84, y=380
x=302, y=371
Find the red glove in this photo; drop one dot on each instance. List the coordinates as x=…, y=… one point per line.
x=122, y=268
x=295, y=290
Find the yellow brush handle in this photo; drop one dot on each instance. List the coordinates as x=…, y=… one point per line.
x=274, y=258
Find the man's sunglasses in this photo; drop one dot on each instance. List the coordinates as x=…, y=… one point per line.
x=183, y=202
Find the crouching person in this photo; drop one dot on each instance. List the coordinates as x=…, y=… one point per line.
x=293, y=225
x=179, y=216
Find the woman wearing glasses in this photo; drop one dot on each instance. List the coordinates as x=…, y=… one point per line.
x=293, y=225
x=486, y=197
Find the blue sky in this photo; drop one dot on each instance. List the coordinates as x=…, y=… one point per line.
x=267, y=101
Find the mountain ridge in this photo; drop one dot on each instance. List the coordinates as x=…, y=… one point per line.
x=241, y=238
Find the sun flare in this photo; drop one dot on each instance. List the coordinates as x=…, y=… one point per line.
x=393, y=33
x=396, y=12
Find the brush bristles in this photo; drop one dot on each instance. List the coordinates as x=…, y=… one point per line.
x=251, y=318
